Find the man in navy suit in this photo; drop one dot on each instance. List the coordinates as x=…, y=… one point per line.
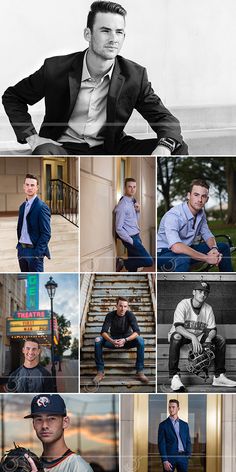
x=90, y=96
x=33, y=228
x=174, y=441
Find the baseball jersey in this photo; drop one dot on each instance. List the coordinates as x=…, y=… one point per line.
x=70, y=462
x=186, y=316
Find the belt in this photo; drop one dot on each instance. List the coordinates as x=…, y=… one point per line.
x=182, y=453
x=26, y=245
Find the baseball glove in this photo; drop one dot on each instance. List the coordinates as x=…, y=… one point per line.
x=15, y=461
x=199, y=363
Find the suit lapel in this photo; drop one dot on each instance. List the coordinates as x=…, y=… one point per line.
x=75, y=79
x=117, y=82
x=33, y=205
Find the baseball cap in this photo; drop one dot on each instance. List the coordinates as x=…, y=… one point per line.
x=49, y=404
x=202, y=286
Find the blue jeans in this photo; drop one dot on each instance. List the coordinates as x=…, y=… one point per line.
x=27, y=260
x=137, y=342
x=168, y=261
x=137, y=255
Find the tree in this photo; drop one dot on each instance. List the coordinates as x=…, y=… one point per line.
x=64, y=336
x=181, y=173
x=75, y=349
x=230, y=171
x=165, y=172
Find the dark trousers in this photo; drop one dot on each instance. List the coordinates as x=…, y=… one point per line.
x=127, y=145
x=169, y=261
x=179, y=463
x=137, y=255
x=177, y=340
x=101, y=343
x=28, y=262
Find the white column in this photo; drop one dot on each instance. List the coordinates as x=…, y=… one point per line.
x=229, y=433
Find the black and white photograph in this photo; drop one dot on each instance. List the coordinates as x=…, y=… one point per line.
x=163, y=72
x=196, y=335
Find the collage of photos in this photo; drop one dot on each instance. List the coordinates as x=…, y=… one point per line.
x=118, y=236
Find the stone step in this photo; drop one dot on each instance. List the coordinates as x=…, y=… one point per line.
x=96, y=327
x=120, y=277
x=150, y=339
x=113, y=293
x=101, y=317
x=116, y=369
x=119, y=385
x=87, y=352
x=121, y=284
x=109, y=303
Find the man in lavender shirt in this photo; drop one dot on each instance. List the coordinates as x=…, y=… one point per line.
x=127, y=213
x=182, y=228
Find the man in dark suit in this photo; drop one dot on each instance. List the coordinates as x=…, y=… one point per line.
x=33, y=228
x=174, y=441
x=90, y=96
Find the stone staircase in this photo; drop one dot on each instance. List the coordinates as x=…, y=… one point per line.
x=63, y=245
x=119, y=367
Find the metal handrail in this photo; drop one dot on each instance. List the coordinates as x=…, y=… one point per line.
x=64, y=200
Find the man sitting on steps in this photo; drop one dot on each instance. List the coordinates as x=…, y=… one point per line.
x=124, y=333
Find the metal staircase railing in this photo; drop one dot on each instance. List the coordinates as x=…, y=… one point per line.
x=64, y=200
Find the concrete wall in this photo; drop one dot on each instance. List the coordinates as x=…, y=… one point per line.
x=98, y=197
x=97, y=184
x=229, y=433
x=12, y=173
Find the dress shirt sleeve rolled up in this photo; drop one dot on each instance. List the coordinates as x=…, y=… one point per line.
x=120, y=220
x=172, y=227
x=204, y=229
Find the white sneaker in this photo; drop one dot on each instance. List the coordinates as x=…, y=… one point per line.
x=222, y=381
x=176, y=384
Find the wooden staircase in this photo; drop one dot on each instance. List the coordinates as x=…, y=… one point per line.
x=119, y=366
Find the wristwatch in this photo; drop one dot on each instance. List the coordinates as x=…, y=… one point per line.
x=167, y=142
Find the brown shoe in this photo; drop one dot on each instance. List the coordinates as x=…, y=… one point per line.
x=142, y=377
x=98, y=378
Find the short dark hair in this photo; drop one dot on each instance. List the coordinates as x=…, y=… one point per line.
x=173, y=400
x=122, y=299
x=32, y=176
x=200, y=182
x=103, y=7
x=32, y=340
x=129, y=179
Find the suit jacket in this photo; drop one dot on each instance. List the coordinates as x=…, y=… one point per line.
x=38, y=225
x=58, y=82
x=168, y=441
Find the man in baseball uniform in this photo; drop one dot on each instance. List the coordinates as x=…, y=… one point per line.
x=194, y=323
x=50, y=421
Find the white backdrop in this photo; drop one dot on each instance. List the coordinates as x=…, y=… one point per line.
x=188, y=46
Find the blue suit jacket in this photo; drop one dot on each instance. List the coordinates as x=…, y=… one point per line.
x=168, y=441
x=38, y=224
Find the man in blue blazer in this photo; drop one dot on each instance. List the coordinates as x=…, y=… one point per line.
x=174, y=441
x=33, y=228
x=89, y=97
